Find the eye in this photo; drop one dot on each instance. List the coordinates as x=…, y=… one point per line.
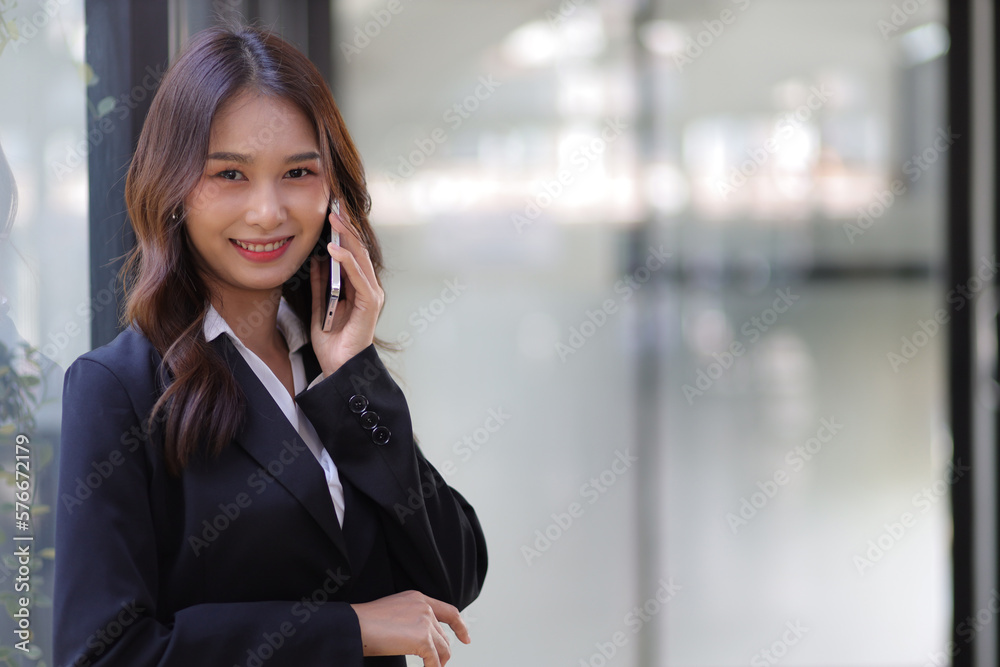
x=230, y=174
x=299, y=172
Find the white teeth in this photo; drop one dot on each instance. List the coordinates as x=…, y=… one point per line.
x=261, y=248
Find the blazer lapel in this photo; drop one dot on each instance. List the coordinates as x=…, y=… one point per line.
x=359, y=519
x=267, y=433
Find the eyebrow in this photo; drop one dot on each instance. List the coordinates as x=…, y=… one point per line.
x=241, y=158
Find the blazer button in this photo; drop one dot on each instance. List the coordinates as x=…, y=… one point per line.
x=380, y=435
x=369, y=418
x=357, y=403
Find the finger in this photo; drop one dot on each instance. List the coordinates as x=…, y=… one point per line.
x=343, y=256
x=441, y=634
x=430, y=656
x=349, y=236
x=442, y=645
x=357, y=277
x=356, y=246
x=346, y=286
x=447, y=613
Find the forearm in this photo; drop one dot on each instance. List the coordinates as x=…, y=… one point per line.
x=282, y=633
x=422, y=510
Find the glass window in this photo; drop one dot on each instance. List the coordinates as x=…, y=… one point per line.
x=709, y=236
x=668, y=286
x=44, y=258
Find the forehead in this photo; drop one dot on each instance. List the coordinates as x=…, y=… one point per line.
x=252, y=122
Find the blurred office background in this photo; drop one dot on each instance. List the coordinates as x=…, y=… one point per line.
x=671, y=282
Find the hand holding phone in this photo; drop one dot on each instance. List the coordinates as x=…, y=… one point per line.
x=344, y=320
x=334, y=290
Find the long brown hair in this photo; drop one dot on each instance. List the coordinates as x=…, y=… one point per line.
x=167, y=299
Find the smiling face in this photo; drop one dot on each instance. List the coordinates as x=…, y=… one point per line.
x=260, y=205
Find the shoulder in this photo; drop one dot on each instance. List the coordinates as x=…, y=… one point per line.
x=108, y=394
x=130, y=358
x=127, y=354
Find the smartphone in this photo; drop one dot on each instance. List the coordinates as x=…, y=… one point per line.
x=334, y=293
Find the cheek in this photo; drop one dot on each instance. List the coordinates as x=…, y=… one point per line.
x=201, y=197
x=195, y=230
x=313, y=204
x=311, y=208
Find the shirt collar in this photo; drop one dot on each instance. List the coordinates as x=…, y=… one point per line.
x=288, y=324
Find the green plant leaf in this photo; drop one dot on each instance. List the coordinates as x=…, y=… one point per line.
x=34, y=652
x=105, y=106
x=43, y=454
x=12, y=605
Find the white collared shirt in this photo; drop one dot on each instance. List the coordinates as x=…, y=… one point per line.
x=295, y=337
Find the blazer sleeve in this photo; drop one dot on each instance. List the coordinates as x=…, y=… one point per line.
x=432, y=529
x=107, y=571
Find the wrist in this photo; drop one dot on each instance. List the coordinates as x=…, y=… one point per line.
x=336, y=363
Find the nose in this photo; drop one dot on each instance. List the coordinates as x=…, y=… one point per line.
x=265, y=208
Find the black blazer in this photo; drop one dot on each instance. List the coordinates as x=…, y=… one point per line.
x=241, y=560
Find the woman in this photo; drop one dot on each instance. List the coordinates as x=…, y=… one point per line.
x=237, y=485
